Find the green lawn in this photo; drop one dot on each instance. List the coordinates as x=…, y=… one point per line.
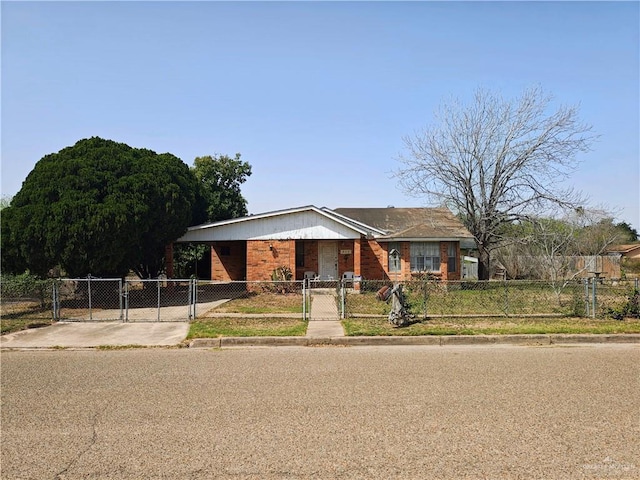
x=247, y=327
x=263, y=303
x=17, y=316
x=457, y=299
x=490, y=326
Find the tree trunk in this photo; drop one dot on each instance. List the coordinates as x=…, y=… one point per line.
x=484, y=272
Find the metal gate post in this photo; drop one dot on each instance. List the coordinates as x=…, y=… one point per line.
x=189, y=300
x=304, y=299
x=89, y=292
x=56, y=301
x=593, y=306
x=158, y=283
x=120, y=294
x=126, y=301
x=194, y=294
x=586, y=296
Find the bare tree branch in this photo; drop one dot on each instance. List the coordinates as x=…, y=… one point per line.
x=496, y=160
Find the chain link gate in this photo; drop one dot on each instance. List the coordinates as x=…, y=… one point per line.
x=322, y=299
x=159, y=300
x=106, y=299
x=88, y=299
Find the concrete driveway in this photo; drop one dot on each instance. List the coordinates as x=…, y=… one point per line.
x=84, y=335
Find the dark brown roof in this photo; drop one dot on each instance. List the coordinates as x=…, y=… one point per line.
x=409, y=222
x=623, y=248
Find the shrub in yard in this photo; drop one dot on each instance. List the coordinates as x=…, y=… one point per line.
x=281, y=274
x=630, y=266
x=26, y=286
x=629, y=309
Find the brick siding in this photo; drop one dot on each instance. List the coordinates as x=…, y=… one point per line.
x=264, y=256
x=228, y=261
x=257, y=259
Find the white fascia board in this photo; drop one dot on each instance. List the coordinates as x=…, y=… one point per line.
x=242, y=229
x=422, y=239
x=251, y=217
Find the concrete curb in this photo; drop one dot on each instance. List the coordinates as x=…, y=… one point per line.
x=444, y=340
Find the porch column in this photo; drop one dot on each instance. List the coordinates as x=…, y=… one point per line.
x=168, y=260
x=357, y=271
x=356, y=257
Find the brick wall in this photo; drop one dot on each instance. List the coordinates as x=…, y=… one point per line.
x=257, y=259
x=375, y=261
x=228, y=261
x=373, y=258
x=264, y=256
x=310, y=259
x=345, y=261
x=457, y=275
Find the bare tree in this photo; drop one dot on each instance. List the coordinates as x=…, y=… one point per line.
x=496, y=161
x=562, y=248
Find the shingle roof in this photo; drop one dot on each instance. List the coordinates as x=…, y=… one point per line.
x=409, y=223
x=623, y=248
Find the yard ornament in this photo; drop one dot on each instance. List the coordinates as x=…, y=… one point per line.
x=399, y=314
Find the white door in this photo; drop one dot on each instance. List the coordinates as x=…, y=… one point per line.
x=328, y=260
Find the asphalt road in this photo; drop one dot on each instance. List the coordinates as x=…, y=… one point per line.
x=498, y=412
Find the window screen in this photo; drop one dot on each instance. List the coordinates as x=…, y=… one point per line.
x=425, y=257
x=452, y=261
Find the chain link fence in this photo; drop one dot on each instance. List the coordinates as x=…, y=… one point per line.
x=170, y=300
x=25, y=297
x=128, y=300
x=430, y=298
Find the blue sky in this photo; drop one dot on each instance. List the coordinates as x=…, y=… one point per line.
x=316, y=96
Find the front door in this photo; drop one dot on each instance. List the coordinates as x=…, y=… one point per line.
x=328, y=260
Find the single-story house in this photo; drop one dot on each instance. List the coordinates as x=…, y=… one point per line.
x=630, y=251
x=371, y=243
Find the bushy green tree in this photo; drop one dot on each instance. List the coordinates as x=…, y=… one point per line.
x=98, y=207
x=627, y=232
x=219, y=178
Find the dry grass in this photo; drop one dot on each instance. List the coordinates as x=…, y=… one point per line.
x=263, y=303
x=247, y=327
x=491, y=326
x=15, y=316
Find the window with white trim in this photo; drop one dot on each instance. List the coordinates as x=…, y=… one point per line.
x=425, y=256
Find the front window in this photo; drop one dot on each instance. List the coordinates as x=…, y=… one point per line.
x=425, y=256
x=452, y=261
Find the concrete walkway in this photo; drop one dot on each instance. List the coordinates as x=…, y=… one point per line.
x=324, y=321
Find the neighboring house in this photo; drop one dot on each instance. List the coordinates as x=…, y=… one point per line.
x=630, y=251
x=371, y=243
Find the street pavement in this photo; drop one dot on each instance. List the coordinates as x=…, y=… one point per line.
x=403, y=412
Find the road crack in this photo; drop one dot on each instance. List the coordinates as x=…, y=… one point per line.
x=92, y=442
